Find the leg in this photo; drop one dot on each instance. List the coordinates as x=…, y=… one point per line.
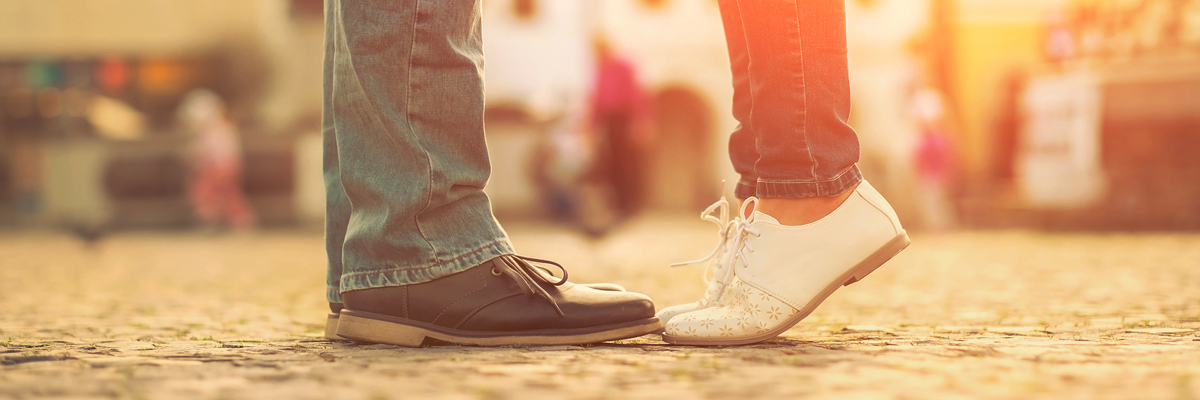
x=202, y=193
x=407, y=105
x=626, y=165
x=422, y=255
x=817, y=226
x=742, y=149
x=801, y=97
x=337, y=206
x=234, y=203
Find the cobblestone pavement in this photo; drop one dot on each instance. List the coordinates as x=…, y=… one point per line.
x=964, y=315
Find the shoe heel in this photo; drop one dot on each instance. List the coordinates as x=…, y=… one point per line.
x=881, y=256
x=331, y=327
x=354, y=327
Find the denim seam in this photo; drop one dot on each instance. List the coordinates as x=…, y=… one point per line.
x=437, y=265
x=835, y=178
x=804, y=95
x=408, y=121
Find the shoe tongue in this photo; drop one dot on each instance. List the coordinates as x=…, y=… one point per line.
x=760, y=216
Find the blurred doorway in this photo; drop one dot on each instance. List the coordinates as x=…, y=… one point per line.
x=681, y=175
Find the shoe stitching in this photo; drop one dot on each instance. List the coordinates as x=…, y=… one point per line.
x=404, y=301
x=768, y=291
x=485, y=284
x=477, y=309
x=895, y=228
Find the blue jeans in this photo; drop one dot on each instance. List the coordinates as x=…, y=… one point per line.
x=405, y=158
x=791, y=97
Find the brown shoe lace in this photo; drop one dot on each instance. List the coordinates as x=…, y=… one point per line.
x=528, y=276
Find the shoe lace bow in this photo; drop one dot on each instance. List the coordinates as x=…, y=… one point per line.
x=739, y=228
x=527, y=276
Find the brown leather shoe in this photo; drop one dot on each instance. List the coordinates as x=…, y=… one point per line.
x=335, y=309
x=503, y=301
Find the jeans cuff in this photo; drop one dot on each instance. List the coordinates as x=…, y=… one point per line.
x=334, y=295
x=803, y=189
x=746, y=188
x=414, y=275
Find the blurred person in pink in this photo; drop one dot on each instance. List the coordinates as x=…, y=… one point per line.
x=933, y=160
x=216, y=158
x=620, y=120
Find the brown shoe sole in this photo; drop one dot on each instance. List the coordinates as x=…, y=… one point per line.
x=378, y=328
x=860, y=271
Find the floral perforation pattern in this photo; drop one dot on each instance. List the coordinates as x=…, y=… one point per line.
x=743, y=311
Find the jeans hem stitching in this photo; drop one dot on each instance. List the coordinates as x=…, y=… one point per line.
x=839, y=176
x=437, y=265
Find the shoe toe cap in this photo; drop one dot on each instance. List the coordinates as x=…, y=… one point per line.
x=581, y=307
x=630, y=306
x=668, y=313
x=601, y=307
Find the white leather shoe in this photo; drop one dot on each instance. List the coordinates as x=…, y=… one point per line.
x=717, y=262
x=782, y=273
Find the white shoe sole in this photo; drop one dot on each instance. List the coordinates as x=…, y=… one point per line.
x=860, y=271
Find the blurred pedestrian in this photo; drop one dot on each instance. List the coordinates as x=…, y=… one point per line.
x=933, y=160
x=557, y=163
x=215, y=188
x=620, y=119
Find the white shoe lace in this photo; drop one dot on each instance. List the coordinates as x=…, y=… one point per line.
x=743, y=231
x=739, y=227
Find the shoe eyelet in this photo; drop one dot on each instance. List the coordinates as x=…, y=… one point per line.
x=496, y=271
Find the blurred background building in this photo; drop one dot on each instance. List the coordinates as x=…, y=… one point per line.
x=1056, y=113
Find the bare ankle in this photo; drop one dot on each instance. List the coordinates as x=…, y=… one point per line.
x=804, y=210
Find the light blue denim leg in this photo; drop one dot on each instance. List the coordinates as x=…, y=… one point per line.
x=405, y=106
x=337, y=206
